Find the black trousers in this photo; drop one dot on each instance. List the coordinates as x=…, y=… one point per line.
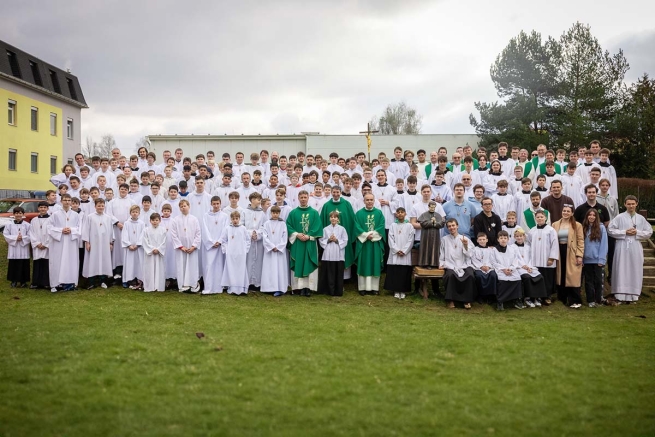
x=568, y=295
x=593, y=282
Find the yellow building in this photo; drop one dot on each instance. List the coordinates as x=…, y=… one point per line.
x=42, y=131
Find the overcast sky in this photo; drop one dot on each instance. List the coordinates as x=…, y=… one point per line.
x=150, y=67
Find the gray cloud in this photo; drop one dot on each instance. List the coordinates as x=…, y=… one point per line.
x=280, y=67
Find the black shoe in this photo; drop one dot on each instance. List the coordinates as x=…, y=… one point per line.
x=13, y=285
x=33, y=287
x=362, y=293
x=91, y=287
x=376, y=293
x=500, y=306
x=308, y=292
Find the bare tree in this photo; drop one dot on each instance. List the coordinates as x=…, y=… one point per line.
x=143, y=142
x=398, y=119
x=101, y=149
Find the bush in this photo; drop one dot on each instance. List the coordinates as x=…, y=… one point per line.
x=644, y=189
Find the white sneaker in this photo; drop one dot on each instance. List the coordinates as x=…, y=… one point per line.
x=196, y=288
x=529, y=303
x=537, y=303
x=103, y=285
x=396, y=295
x=402, y=295
x=117, y=276
x=575, y=306
x=53, y=290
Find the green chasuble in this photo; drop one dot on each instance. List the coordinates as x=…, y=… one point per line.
x=369, y=254
x=304, y=254
x=346, y=219
x=527, y=168
x=528, y=216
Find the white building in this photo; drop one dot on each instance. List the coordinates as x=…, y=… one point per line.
x=344, y=145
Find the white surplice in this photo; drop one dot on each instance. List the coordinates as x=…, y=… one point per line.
x=213, y=258
x=169, y=259
x=120, y=209
x=507, y=260
x=628, y=265
x=39, y=235
x=235, y=243
x=17, y=249
x=154, y=266
x=453, y=255
x=544, y=245
x=275, y=267
x=253, y=220
x=98, y=230
x=185, y=232
x=132, y=235
x=64, y=262
x=401, y=238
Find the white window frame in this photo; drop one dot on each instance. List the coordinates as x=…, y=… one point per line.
x=53, y=170
x=53, y=124
x=15, y=153
x=32, y=156
x=34, y=127
x=69, y=128
x=11, y=112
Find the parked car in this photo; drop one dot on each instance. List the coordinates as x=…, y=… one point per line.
x=7, y=205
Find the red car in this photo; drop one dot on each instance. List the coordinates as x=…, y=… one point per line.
x=7, y=205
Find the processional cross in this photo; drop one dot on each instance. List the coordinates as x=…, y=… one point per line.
x=368, y=133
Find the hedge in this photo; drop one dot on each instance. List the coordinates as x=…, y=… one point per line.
x=644, y=189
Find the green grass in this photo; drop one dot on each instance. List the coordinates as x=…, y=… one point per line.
x=125, y=363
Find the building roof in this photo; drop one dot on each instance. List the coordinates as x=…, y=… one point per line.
x=21, y=67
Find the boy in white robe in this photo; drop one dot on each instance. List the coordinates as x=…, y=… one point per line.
x=234, y=206
x=506, y=264
x=628, y=228
x=253, y=218
x=235, y=243
x=213, y=261
x=534, y=287
x=131, y=245
x=98, y=237
x=65, y=234
x=120, y=208
x=174, y=201
x=333, y=242
x=154, y=248
x=276, y=262
x=169, y=260
x=544, y=252
x=399, y=268
x=503, y=202
x=485, y=275
x=186, y=235
x=16, y=235
x=39, y=239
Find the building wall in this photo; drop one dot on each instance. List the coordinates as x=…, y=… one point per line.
x=344, y=145
x=21, y=138
x=70, y=146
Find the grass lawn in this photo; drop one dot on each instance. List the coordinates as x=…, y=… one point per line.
x=126, y=363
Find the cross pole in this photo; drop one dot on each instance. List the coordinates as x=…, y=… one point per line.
x=368, y=133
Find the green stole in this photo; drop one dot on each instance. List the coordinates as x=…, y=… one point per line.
x=369, y=254
x=304, y=254
x=528, y=216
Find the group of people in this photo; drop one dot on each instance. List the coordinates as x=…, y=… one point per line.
x=517, y=230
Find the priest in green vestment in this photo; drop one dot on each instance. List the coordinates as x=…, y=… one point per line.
x=369, y=252
x=304, y=229
x=346, y=219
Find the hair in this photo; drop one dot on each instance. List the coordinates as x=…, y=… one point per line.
x=535, y=194
x=18, y=209
x=235, y=214
x=593, y=229
x=254, y=195
x=604, y=180
x=631, y=197
x=555, y=181
x=65, y=196
x=275, y=208
x=167, y=207
x=589, y=187
x=540, y=212
x=480, y=235
x=184, y=202
x=541, y=176
x=452, y=220
x=334, y=213
x=233, y=195
x=99, y=201
x=594, y=170
x=146, y=198
x=411, y=179
x=502, y=183
x=525, y=181
x=503, y=234
x=478, y=187
x=401, y=209
x=511, y=213
x=84, y=191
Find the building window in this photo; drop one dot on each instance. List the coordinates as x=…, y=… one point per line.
x=53, y=124
x=13, y=63
x=69, y=128
x=55, y=82
x=36, y=73
x=35, y=118
x=11, y=112
x=70, y=161
x=12, y=159
x=71, y=88
x=34, y=162
x=53, y=164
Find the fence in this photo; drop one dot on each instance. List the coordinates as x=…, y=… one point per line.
x=644, y=189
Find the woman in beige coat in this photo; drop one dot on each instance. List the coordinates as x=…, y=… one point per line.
x=571, y=249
